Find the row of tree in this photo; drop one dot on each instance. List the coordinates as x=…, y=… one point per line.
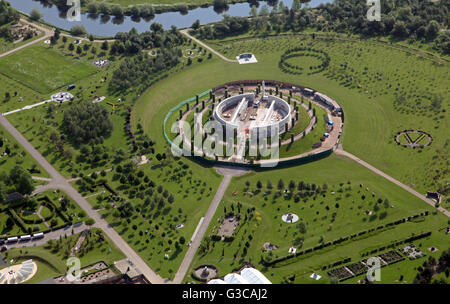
x=421, y=20
x=138, y=69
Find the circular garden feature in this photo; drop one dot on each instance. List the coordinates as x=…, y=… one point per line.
x=295, y=61
x=289, y=218
x=413, y=138
x=309, y=123
x=191, y=53
x=205, y=272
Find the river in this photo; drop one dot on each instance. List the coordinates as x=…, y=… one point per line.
x=108, y=26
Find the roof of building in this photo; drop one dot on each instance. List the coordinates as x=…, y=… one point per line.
x=13, y=197
x=254, y=276
x=235, y=278
x=217, y=281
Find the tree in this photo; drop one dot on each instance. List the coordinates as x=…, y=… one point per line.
x=87, y=122
x=78, y=30
x=296, y=5
x=280, y=185
x=196, y=25
x=104, y=45
x=258, y=184
x=400, y=30
x=254, y=11
x=21, y=180
x=2, y=192
x=90, y=222
x=71, y=47
x=35, y=14
x=264, y=11
x=432, y=29
x=116, y=10
x=156, y=27
x=56, y=34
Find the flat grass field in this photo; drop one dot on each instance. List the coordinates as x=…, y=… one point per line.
x=364, y=76
x=44, y=69
x=341, y=210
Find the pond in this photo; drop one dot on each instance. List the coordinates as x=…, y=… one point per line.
x=109, y=25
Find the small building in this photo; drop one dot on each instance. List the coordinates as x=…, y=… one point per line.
x=434, y=196
x=308, y=92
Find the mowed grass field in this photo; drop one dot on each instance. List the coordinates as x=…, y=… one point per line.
x=43, y=68
x=363, y=76
x=339, y=212
x=17, y=157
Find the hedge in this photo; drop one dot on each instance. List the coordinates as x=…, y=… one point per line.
x=338, y=241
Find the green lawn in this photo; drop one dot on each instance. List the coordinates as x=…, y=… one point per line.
x=150, y=228
x=338, y=212
x=44, y=69
x=371, y=119
x=17, y=156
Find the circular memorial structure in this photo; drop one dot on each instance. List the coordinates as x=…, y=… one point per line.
x=247, y=114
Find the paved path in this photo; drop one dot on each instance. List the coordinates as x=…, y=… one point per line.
x=186, y=33
x=184, y=267
x=228, y=172
x=47, y=33
x=391, y=179
x=59, y=182
x=53, y=235
x=44, y=179
x=38, y=213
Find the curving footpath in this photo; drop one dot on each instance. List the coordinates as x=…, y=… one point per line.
x=47, y=33
x=59, y=182
x=186, y=33
x=340, y=151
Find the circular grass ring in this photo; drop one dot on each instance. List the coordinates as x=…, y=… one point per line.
x=289, y=68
